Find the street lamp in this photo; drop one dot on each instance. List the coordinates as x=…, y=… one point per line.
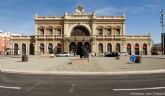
x=162, y=34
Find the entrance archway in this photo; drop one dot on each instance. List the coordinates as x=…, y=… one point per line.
x=136, y=49
x=31, y=49
x=117, y=47
x=129, y=49
x=23, y=49
x=72, y=47
x=59, y=48
x=80, y=31
x=87, y=46
x=109, y=47
x=15, y=49
x=50, y=48
x=144, y=49
x=100, y=47
x=79, y=48
x=42, y=48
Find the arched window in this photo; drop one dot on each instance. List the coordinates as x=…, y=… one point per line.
x=144, y=49
x=50, y=31
x=23, y=49
x=100, y=47
x=118, y=29
x=80, y=31
x=50, y=48
x=109, y=31
x=109, y=47
x=42, y=48
x=136, y=49
x=129, y=49
x=117, y=47
x=100, y=30
x=41, y=30
x=58, y=31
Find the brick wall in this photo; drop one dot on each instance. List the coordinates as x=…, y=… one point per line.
x=4, y=43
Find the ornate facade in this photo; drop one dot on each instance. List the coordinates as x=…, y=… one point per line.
x=99, y=34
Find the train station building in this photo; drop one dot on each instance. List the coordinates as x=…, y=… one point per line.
x=98, y=34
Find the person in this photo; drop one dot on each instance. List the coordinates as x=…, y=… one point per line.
x=86, y=53
x=82, y=52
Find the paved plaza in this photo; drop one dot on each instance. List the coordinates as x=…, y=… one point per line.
x=96, y=64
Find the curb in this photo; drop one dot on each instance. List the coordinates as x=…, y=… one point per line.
x=82, y=73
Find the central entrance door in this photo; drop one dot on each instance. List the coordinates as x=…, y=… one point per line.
x=79, y=32
x=79, y=48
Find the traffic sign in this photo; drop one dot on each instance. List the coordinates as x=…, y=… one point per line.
x=133, y=58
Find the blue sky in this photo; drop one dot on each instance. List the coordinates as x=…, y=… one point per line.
x=142, y=16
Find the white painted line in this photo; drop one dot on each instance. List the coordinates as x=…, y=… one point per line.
x=137, y=89
x=18, y=88
x=83, y=73
x=71, y=90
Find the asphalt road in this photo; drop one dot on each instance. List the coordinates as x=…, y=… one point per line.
x=65, y=85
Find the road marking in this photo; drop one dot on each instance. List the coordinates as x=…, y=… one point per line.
x=18, y=88
x=32, y=87
x=71, y=90
x=143, y=80
x=137, y=89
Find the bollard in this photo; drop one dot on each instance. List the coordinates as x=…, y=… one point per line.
x=138, y=59
x=117, y=57
x=24, y=58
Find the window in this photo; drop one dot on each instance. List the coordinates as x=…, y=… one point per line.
x=100, y=32
x=117, y=47
x=109, y=31
x=41, y=32
x=117, y=31
x=100, y=48
x=109, y=48
x=50, y=32
x=58, y=31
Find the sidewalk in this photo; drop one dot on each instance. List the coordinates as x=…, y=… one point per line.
x=100, y=65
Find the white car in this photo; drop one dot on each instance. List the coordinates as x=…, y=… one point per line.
x=123, y=53
x=64, y=54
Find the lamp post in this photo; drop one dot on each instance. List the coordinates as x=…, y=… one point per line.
x=162, y=34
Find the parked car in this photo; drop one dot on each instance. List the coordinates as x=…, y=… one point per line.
x=154, y=53
x=93, y=54
x=123, y=53
x=113, y=54
x=64, y=54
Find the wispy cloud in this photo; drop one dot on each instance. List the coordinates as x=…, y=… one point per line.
x=108, y=11
x=113, y=10
x=118, y=11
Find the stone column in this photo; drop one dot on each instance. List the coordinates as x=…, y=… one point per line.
x=37, y=47
x=27, y=48
x=46, y=48
x=20, y=49
x=93, y=31
x=66, y=29
x=12, y=48
x=133, y=48
x=105, y=49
